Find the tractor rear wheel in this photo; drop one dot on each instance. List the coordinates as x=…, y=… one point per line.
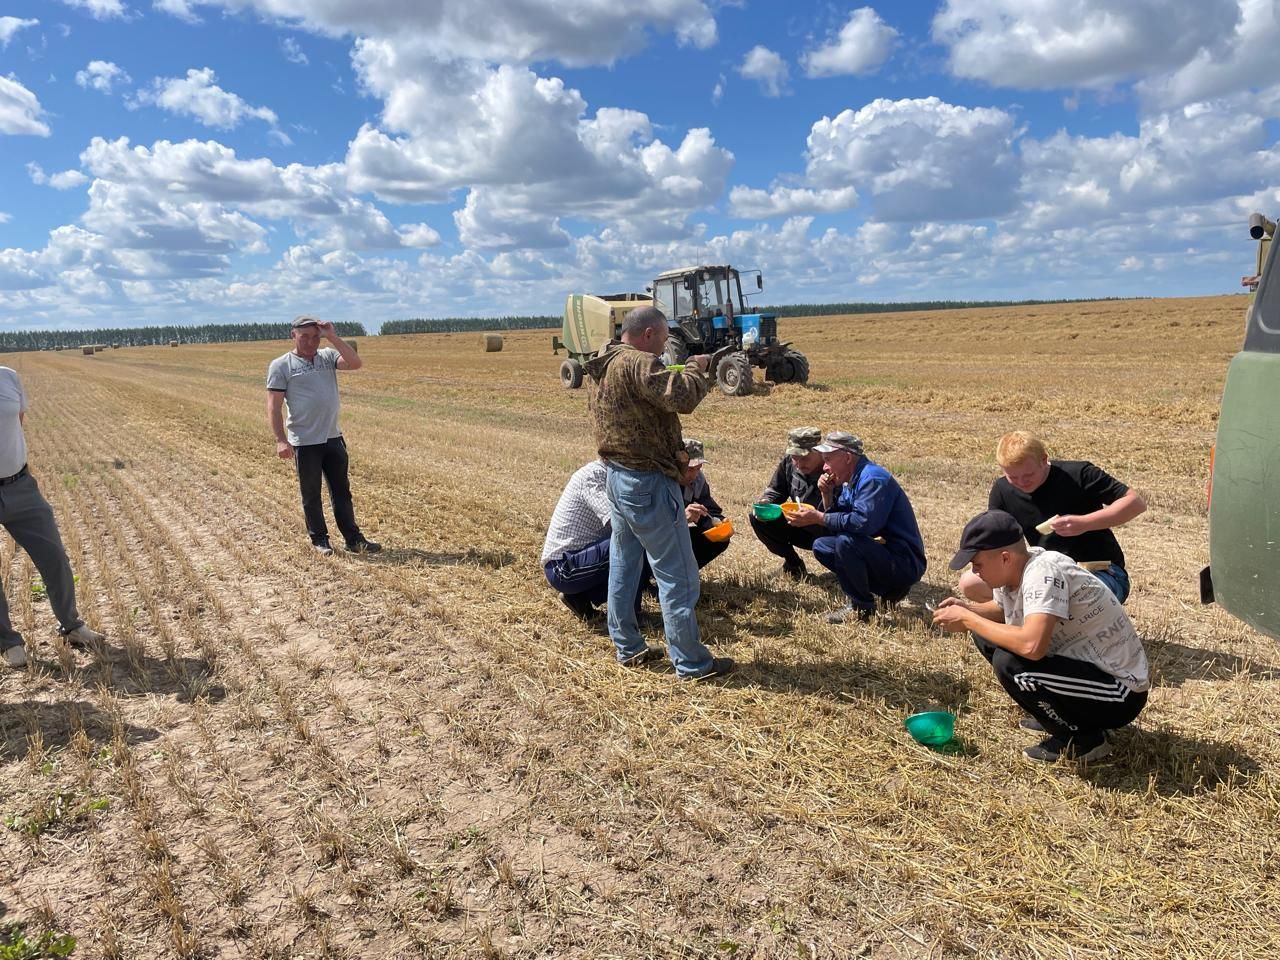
x=780, y=370
x=571, y=374
x=799, y=366
x=733, y=373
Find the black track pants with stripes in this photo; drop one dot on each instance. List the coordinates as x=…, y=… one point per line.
x=1070, y=697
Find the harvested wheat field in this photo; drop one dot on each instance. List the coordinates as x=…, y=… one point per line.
x=422, y=754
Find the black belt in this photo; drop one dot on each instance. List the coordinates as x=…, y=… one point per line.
x=4, y=481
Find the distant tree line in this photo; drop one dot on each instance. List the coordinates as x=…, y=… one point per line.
x=464, y=324
x=839, y=309
x=13, y=342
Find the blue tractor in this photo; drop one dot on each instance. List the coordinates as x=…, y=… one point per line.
x=708, y=314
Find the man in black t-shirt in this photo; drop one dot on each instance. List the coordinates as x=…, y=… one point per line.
x=1069, y=506
x=796, y=478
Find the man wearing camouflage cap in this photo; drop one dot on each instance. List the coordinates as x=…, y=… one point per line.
x=868, y=535
x=701, y=510
x=795, y=478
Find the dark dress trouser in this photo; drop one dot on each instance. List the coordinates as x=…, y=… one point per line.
x=27, y=516
x=328, y=460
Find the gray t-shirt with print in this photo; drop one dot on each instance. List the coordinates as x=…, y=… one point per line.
x=1093, y=628
x=310, y=389
x=13, y=442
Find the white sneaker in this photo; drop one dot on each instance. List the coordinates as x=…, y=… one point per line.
x=15, y=656
x=82, y=638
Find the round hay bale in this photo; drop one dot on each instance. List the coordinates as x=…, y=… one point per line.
x=492, y=342
x=87, y=351
x=173, y=343
x=98, y=348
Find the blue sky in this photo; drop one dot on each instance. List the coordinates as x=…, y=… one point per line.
x=184, y=160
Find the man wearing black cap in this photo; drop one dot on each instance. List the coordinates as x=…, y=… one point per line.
x=795, y=479
x=1058, y=639
x=869, y=537
x=306, y=381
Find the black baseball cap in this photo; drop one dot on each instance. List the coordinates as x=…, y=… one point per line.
x=992, y=530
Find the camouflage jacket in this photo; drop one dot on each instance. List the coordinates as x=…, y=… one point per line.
x=634, y=402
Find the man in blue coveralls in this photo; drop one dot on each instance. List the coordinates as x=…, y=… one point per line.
x=870, y=539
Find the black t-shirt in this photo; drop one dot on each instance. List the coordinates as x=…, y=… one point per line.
x=1072, y=487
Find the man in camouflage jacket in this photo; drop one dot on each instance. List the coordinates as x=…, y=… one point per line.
x=635, y=403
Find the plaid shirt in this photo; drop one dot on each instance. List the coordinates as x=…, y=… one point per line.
x=582, y=515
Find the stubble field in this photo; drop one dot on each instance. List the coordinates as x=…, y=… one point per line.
x=422, y=754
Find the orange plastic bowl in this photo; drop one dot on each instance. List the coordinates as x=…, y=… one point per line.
x=720, y=532
x=791, y=507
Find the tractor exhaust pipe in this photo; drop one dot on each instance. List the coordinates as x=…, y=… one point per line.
x=1260, y=226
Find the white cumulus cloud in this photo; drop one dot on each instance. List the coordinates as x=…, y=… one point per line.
x=293, y=51
x=1248, y=62
x=11, y=25
x=66, y=180
x=99, y=9
x=1044, y=44
x=573, y=32
x=750, y=203
x=919, y=159
x=101, y=75
x=20, y=111
x=767, y=68
x=197, y=95
x=178, y=8
x=862, y=45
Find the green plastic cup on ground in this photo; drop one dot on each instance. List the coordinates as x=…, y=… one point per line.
x=766, y=511
x=934, y=728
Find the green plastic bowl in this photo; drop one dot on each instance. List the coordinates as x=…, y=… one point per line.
x=676, y=367
x=766, y=511
x=934, y=728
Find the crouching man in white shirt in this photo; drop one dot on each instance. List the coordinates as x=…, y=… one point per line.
x=1058, y=640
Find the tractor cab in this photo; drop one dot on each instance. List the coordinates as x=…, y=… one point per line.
x=708, y=305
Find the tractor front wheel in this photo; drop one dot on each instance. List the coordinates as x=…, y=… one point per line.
x=733, y=373
x=571, y=374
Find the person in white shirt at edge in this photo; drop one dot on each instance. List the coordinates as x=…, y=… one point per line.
x=1058, y=640
x=306, y=380
x=27, y=516
x=575, y=554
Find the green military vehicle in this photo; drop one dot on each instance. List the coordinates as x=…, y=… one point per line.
x=1243, y=575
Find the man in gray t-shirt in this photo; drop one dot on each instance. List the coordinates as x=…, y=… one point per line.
x=305, y=381
x=27, y=516
x=1058, y=639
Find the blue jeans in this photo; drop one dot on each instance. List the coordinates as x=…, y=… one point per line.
x=648, y=521
x=1116, y=579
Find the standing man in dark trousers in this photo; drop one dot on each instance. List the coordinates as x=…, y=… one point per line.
x=795, y=478
x=306, y=380
x=27, y=516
